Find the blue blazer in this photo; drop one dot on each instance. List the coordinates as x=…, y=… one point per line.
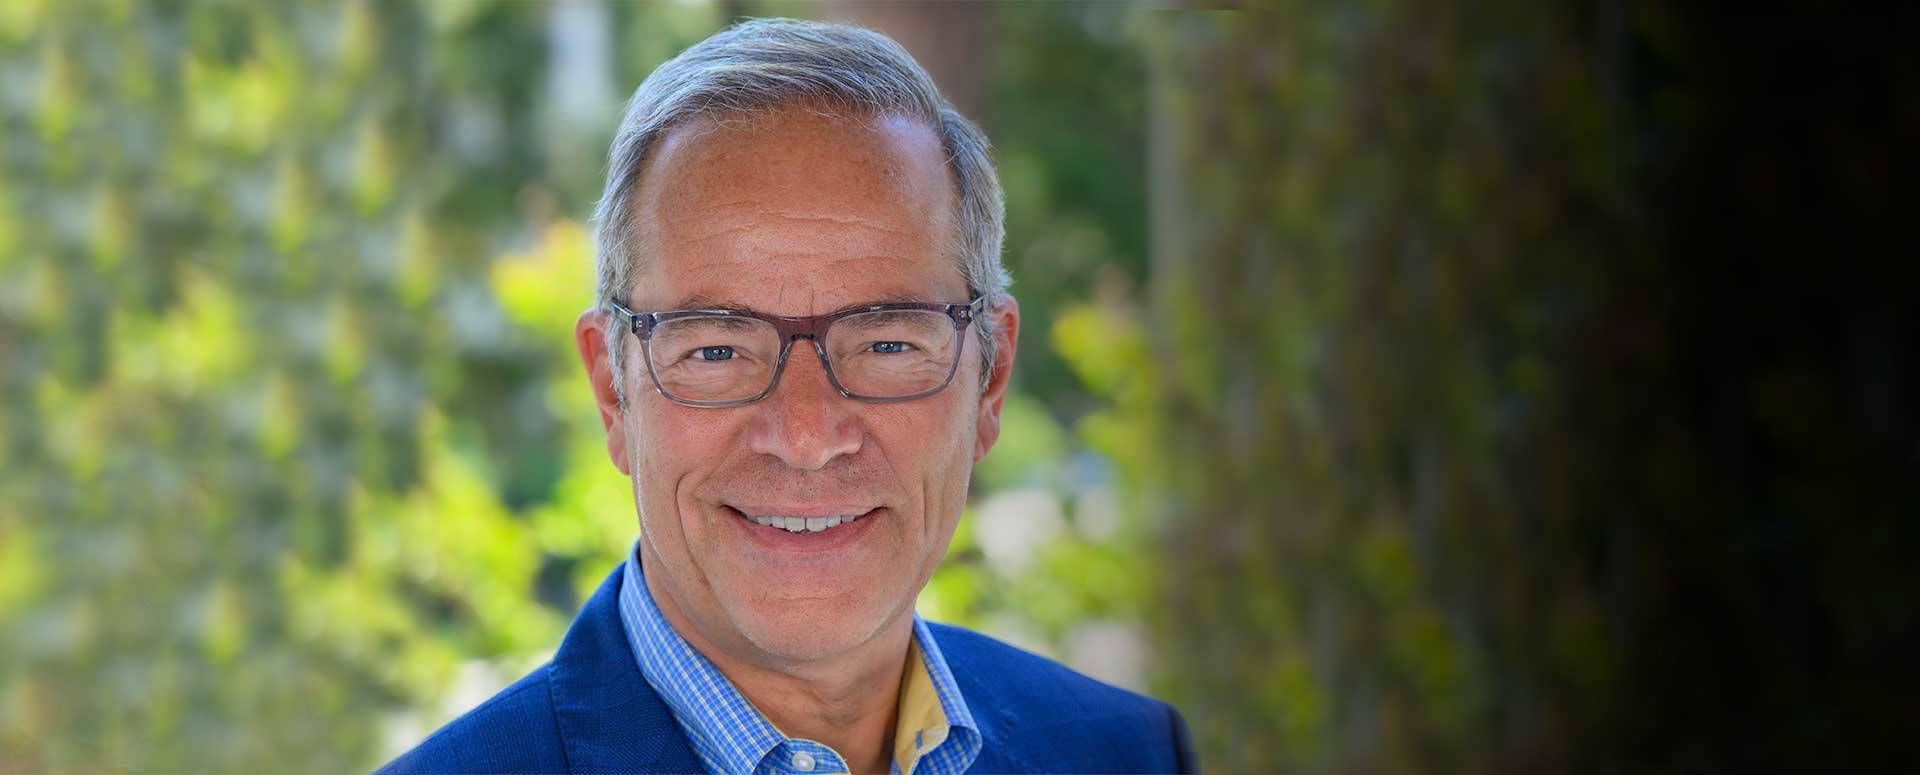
x=589, y=710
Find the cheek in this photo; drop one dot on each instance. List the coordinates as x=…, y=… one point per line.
x=932, y=447
x=669, y=451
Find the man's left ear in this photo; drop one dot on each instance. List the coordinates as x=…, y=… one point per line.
x=1005, y=313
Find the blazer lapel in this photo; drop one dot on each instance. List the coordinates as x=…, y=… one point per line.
x=998, y=721
x=610, y=718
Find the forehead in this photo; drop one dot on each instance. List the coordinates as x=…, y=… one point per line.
x=796, y=211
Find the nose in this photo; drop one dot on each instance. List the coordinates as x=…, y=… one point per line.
x=805, y=422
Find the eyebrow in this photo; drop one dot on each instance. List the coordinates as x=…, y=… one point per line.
x=703, y=301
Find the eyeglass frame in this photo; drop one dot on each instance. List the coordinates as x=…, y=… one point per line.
x=813, y=328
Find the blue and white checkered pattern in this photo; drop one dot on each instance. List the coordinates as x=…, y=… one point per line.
x=731, y=736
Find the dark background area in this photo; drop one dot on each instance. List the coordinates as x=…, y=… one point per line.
x=1775, y=595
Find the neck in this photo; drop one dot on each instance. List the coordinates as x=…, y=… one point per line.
x=853, y=714
x=849, y=702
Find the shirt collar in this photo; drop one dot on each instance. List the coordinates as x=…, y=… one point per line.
x=935, y=733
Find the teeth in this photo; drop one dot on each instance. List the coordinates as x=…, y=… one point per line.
x=805, y=524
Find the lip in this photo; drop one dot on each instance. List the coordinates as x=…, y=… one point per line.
x=829, y=510
x=781, y=541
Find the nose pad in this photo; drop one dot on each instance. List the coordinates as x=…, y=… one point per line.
x=819, y=356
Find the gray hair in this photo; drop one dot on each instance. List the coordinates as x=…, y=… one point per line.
x=763, y=64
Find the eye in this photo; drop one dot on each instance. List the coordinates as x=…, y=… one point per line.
x=720, y=353
x=889, y=348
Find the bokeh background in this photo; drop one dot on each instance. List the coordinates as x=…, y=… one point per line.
x=1407, y=387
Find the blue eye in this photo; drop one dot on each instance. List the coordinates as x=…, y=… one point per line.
x=889, y=347
x=715, y=353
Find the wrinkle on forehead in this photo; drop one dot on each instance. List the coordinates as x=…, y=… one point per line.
x=737, y=229
x=849, y=220
x=792, y=291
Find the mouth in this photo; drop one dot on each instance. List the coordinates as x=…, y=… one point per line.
x=804, y=524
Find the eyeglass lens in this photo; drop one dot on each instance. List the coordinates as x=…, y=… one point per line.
x=886, y=354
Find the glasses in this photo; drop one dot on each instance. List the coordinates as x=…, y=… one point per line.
x=877, y=353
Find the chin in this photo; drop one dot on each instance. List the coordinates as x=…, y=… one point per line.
x=814, y=629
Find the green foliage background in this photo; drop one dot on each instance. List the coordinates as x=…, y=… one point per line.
x=1355, y=399
x=292, y=425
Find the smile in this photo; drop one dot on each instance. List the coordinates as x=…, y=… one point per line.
x=796, y=524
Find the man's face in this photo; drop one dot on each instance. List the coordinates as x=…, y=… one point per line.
x=795, y=213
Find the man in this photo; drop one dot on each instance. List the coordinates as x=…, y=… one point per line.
x=800, y=349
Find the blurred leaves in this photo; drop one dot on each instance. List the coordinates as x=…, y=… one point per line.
x=240, y=529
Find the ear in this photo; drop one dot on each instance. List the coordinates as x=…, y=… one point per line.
x=1005, y=313
x=589, y=335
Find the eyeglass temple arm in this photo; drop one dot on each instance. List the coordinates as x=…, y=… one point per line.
x=636, y=322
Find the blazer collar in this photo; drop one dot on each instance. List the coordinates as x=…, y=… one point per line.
x=610, y=719
x=998, y=721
